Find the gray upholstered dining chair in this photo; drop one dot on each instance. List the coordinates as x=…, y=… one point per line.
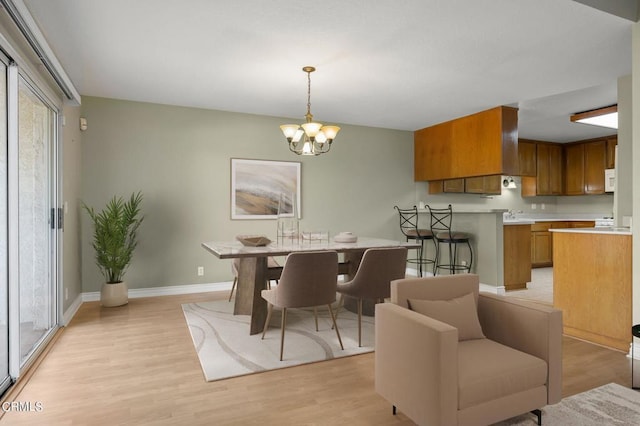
x=379, y=266
x=309, y=279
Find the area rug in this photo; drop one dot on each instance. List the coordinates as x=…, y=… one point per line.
x=226, y=349
x=607, y=405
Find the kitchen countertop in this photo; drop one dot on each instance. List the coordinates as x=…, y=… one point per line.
x=611, y=230
x=531, y=218
x=507, y=222
x=466, y=211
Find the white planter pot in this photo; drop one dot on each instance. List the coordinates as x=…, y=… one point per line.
x=114, y=294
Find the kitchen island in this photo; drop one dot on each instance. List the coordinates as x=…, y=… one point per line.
x=592, y=284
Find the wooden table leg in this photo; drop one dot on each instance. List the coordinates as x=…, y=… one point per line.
x=252, y=279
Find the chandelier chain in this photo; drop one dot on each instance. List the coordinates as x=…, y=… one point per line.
x=309, y=116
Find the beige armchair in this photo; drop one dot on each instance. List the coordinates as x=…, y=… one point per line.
x=504, y=363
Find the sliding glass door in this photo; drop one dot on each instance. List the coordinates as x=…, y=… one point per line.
x=5, y=379
x=30, y=222
x=36, y=218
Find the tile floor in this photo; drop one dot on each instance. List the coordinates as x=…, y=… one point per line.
x=540, y=288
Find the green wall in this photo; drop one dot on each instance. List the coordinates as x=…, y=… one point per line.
x=180, y=159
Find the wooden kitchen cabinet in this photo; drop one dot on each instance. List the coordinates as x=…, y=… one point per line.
x=517, y=256
x=453, y=185
x=480, y=144
x=612, y=141
x=581, y=224
x=542, y=243
x=527, y=157
x=585, y=163
x=541, y=249
x=592, y=285
x=549, y=169
x=574, y=169
x=595, y=161
x=446, y=186
x=491, y=185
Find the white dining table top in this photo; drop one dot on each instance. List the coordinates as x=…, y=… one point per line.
x=235, y=249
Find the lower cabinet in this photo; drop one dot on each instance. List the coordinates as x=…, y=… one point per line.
x=517, y=256
x=542, y=242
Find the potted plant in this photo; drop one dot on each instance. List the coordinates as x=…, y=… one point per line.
x=114, y=240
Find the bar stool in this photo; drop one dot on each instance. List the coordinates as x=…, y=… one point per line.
x=409, y=227
x=441, y=230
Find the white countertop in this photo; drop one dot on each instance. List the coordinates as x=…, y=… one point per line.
x=559, y=217
x=531, y=218
x=467, y=211
x=518, y=222
x=603, y=230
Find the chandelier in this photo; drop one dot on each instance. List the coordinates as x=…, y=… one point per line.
x=309, y=138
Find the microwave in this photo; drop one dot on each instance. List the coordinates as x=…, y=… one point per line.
x=609, y=180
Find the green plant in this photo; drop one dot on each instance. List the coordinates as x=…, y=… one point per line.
x=114, y=235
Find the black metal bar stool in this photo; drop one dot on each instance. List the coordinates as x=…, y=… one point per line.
x=410, y=229
x=442, y=233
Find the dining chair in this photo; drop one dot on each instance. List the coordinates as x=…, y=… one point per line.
x=410, y=229
x=378, y=267
x=441, y=219
x=235, y=265
x=308, y=279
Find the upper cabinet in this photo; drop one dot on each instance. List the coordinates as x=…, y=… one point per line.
x=575, y=168
x=527, y=157
x=612, y=141
x=488, y=185
x=595, y=162
x=548, y=177
x=480, y=144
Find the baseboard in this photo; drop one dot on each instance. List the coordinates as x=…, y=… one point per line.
x=499, y=290
x=165, y=291
x=71, y=310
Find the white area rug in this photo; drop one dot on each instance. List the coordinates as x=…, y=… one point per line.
x=226, y=349
x=607, y=405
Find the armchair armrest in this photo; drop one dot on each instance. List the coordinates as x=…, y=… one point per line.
x=528, y=327
x=416, y=364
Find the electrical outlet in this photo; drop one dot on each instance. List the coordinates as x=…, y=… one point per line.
x=542, y=206
x=534, y=206
x=200, y=271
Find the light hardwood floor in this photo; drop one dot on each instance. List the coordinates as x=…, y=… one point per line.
x=137, y=365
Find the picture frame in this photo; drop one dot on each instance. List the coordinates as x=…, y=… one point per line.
x=257, y=186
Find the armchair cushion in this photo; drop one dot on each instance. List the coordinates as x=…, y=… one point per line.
x=488, y=371
x=460, y=312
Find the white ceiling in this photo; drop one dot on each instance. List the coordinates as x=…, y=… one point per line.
x=393, y=64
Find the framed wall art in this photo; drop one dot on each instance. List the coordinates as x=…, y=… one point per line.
x=257, y=186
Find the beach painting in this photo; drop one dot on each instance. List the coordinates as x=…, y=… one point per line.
x=257, y=186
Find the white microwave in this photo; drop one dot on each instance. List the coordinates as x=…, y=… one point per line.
x=609, y=180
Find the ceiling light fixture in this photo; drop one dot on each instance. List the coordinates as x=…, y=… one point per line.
x=309, y=138
x=604, y=117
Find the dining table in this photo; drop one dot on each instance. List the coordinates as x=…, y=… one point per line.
x=254, y=272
